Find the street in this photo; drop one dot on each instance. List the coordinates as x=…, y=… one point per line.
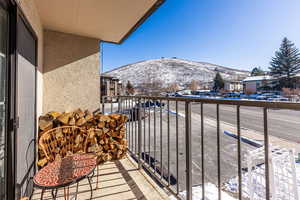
x=281, y=123
x=284, y=124
x=228, y=157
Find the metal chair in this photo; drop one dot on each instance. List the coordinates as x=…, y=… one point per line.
x=59, y=142
x=66, y=139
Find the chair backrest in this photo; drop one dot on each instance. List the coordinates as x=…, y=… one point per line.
x=61, y=141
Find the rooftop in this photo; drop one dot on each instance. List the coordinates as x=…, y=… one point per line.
x=258, y=78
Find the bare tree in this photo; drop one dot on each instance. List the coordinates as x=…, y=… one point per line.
x=173, y=87
x=194, y=85
x=151, y=85
x=288, y=92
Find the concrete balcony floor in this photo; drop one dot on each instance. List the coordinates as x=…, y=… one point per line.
x=120, y=180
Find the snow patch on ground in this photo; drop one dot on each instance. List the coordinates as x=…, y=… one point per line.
x=232, y=184
x=174, y=112
x=211, y=193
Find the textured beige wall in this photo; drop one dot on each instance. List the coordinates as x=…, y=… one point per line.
x=30, y=11
x=71, y=72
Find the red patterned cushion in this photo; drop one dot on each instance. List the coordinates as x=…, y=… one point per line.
x=65, y=171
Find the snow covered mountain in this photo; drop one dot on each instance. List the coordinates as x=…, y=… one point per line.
x=170, y=70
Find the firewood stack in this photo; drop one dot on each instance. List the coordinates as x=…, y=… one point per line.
x=104, y=134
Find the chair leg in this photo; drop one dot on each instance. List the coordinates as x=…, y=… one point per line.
x=54, y=194
x=30, y=197
x=91, y=188
x=42, y=194
x=97, y=177
x=76, y=190
x=65, y=197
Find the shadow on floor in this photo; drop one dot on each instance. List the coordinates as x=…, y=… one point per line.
x=115, y=182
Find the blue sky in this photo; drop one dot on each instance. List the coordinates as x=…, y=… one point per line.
x=235, y=33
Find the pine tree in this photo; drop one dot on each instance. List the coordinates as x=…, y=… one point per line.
x=286, y=63
x=129, y=88
x=218, y=82
x=129, y=85
x=173, y=87
x=257, y=71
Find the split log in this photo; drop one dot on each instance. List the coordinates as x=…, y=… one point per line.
x=80, y=122
x=45, y=123
x=54, y=115
x=64, y=118
x=72, y=121
x=101, y=134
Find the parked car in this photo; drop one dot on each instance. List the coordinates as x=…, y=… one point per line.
x=170, y=94
x=266, y=96
x=214, y=93
x=253, y=96
x=178, y=95
x=133, y=114
x=278, y=99
x=201, y=92
x=149, y=103
x=231, y=94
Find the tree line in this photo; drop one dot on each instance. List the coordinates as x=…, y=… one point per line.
x=284, y=67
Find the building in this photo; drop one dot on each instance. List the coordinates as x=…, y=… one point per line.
x=208, y=85
x=255, y=84
x=110, y=86
x=233, y=86
x=49, y=57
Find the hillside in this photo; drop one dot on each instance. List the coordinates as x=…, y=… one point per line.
x=170, y=70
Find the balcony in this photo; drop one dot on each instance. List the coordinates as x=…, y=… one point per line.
x=217, y=149
x=185, y=148
x=118, y=180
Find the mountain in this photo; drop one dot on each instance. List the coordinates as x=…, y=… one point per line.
x=170, y=70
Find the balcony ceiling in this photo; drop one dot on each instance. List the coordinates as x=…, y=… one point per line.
x=107, y=20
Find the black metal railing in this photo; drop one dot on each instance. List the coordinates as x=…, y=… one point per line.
x=164, y=147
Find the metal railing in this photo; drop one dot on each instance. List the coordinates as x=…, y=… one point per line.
x=149, y=138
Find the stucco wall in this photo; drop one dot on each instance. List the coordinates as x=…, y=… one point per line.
x=71, y=72
x=30, y=11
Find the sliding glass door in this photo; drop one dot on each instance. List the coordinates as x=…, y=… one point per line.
x=18, y=51
x=3, y=98
x=25, y=103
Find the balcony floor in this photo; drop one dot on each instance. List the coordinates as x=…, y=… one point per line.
x=117, y=180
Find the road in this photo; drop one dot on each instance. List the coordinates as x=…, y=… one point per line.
x=228, y=147
x=283, y=124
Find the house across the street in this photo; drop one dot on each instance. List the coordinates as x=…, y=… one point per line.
x=255, y=84
x=233, y=86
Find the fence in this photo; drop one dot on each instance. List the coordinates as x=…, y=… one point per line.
x=160, y=138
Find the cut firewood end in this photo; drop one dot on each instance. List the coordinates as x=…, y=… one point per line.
x=101, y=134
